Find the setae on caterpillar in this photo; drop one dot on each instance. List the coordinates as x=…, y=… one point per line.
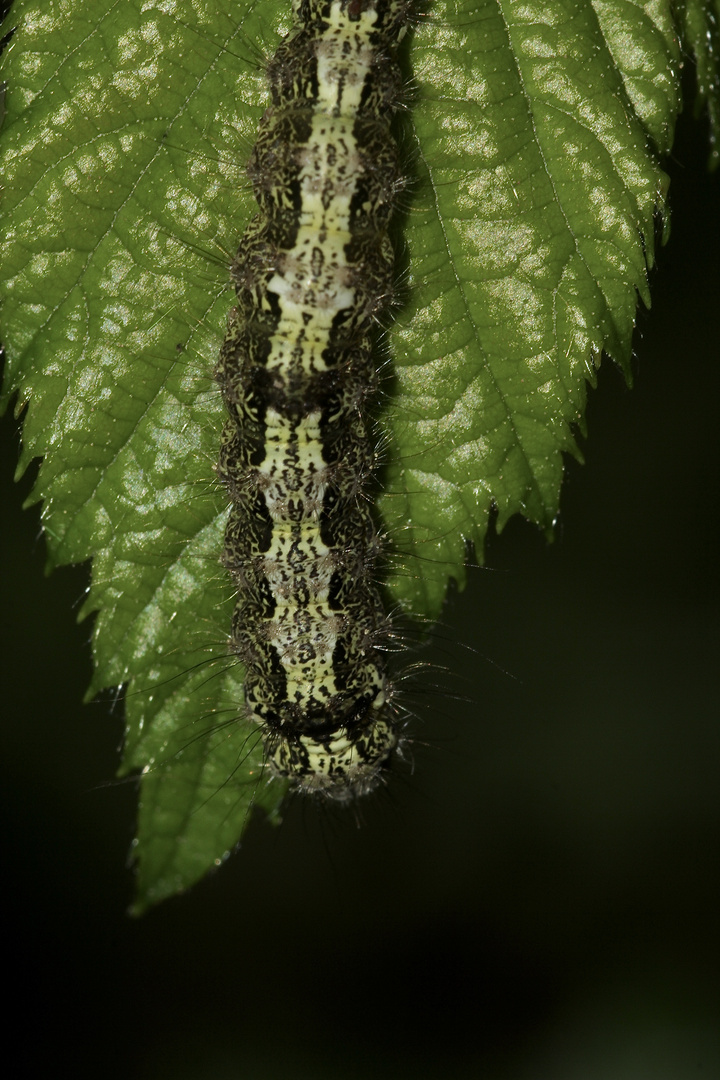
x=312, y=274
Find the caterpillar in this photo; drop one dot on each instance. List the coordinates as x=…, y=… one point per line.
x=312, y=274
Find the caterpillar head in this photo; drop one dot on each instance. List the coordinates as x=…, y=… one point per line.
x=340, y=765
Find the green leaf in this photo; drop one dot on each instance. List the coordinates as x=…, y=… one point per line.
x=535, y=129
x=701, y=32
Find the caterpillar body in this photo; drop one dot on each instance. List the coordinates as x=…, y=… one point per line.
x=313, y=272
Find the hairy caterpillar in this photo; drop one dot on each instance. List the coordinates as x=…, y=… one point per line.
x=312, y=273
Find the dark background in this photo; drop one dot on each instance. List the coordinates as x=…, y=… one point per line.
x=537, y=901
